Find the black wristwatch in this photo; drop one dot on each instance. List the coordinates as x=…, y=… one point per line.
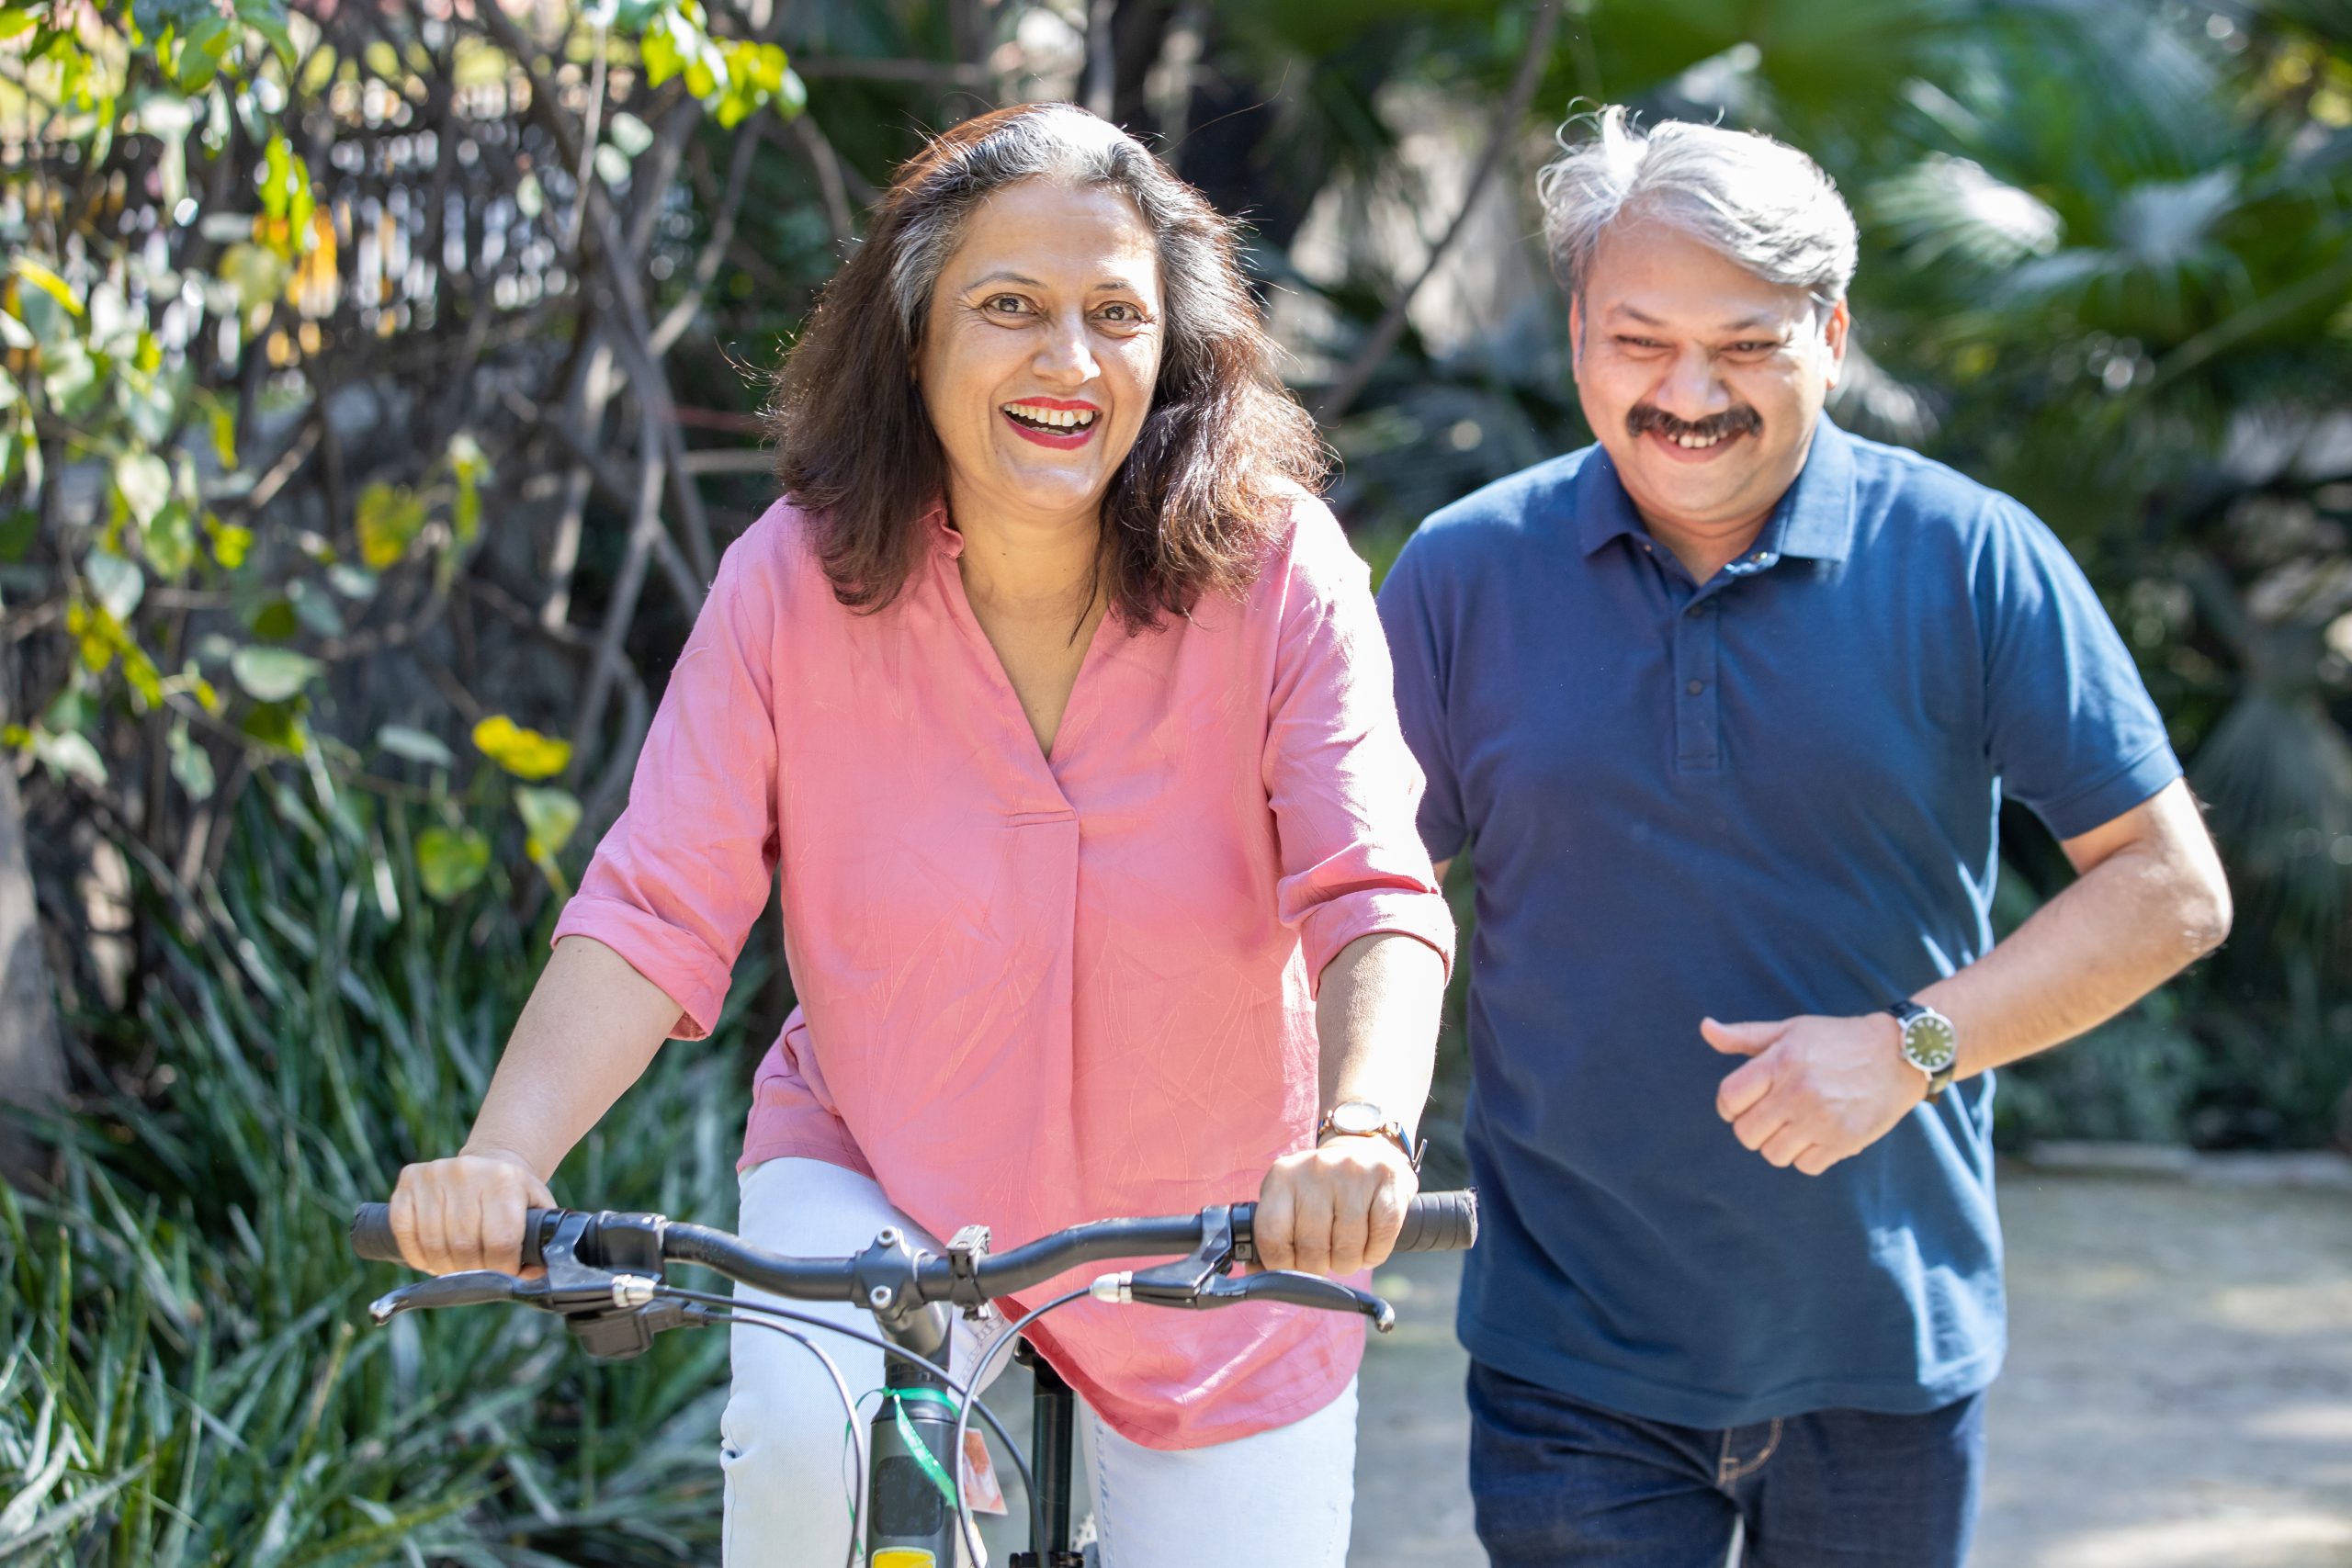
x=1929, y=1042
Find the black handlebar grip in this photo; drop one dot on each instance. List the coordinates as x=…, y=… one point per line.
x=539, y=1224
x=371, y=1234
x=1439, y=1222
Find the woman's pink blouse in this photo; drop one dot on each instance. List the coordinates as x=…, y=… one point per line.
x=1035, y=992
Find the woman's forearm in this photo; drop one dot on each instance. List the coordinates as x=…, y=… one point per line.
x=1377, y=1015
x=591, y=1026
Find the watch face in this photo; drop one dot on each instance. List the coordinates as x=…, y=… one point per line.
x=1930, y=1041
x=1355, y=1118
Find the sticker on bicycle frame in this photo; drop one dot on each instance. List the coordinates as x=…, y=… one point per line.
x=903, y=1557
x=978, y=1477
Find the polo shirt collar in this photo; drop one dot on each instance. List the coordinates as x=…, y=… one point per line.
x=1815, y=518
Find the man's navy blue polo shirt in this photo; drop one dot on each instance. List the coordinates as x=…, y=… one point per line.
x=1770, y=795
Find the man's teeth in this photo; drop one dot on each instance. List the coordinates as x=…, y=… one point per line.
x=1694, y=443
x=1062, y=419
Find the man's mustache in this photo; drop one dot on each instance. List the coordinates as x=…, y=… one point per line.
x=1646, y=417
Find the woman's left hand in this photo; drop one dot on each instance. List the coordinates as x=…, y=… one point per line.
x=1334, y=1210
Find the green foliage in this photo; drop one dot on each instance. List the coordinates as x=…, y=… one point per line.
x=186, y=1373
x=183, y=288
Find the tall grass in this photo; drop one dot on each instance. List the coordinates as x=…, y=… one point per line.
x=187, y=1375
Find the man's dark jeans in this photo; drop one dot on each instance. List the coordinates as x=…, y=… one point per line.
x=1560, y=1483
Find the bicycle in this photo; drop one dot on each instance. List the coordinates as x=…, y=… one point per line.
x=604, y=1276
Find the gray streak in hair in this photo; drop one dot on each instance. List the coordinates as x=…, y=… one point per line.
x=1758, y=202
x=1069, y=146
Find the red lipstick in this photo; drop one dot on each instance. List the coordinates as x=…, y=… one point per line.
x=1065, y=439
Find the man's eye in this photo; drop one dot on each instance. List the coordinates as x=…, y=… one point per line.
x=1640, y=345
x=1765, y=347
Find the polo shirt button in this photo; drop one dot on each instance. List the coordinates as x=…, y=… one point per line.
x=1695, y=687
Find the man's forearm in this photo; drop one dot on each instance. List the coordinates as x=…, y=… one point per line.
x=590, y=1027
x=2125, y=926
x=1377, y=1015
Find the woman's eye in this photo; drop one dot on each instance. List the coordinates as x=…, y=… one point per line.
x=1007, y=304
x=1121, y=314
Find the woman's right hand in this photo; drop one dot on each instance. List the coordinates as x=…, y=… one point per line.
x=467, y=1212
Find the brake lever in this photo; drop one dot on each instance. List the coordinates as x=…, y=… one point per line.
x=1300, y=1290
x=589, y=1293
x=471, y=1288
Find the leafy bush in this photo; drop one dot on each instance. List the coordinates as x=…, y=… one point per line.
x=188, y=1377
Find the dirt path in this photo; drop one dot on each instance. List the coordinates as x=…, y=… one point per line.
x=2178, y=1393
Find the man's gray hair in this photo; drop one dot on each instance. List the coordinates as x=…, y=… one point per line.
x=1761, y=203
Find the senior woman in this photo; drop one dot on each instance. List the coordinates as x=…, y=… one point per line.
x=1060, y=706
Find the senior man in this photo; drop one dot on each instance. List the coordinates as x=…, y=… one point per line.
x=1728, y=705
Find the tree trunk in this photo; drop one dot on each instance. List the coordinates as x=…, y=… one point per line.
x=32, y=1056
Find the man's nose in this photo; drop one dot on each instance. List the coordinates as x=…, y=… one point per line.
x=1065, y=359
x=1690, y=389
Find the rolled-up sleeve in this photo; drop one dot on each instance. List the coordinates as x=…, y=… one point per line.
x=1344, y=786
x=677, y=881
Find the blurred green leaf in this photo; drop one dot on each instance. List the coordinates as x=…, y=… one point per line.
x=415, y=745
x=191, y=764
x=551, y=816
x=115, y=583
x=272, y=674
x=144, y=483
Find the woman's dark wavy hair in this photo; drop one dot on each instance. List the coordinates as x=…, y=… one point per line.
x=1205, y=492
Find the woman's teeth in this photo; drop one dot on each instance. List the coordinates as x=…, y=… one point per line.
x=1051, y=419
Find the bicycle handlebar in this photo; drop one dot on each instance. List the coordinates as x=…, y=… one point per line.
x=1434, y=1222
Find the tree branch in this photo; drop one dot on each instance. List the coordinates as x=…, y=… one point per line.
x=1377, y=347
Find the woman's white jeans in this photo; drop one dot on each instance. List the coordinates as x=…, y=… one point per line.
x=1282, y=1497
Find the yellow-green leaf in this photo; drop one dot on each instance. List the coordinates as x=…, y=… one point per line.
x=48, y=282
x=526, y=753
x=258, y=275
x=449, y=861
x=231, y=542
x=389, y=518
x=551, y=816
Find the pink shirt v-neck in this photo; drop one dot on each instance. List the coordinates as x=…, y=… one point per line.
x=1037, y=992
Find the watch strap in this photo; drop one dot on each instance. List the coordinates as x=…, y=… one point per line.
x=1390, y=1128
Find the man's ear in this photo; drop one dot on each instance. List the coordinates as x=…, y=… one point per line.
x=1835, y=332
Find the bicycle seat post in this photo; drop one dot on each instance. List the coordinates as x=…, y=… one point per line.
x=1052, y=1428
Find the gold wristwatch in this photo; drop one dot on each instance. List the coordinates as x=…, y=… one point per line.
x=1362, y=1119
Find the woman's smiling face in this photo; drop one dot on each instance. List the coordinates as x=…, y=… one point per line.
x=1042, y=348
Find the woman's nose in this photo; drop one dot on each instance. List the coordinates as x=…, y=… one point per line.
x=1066, y=356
